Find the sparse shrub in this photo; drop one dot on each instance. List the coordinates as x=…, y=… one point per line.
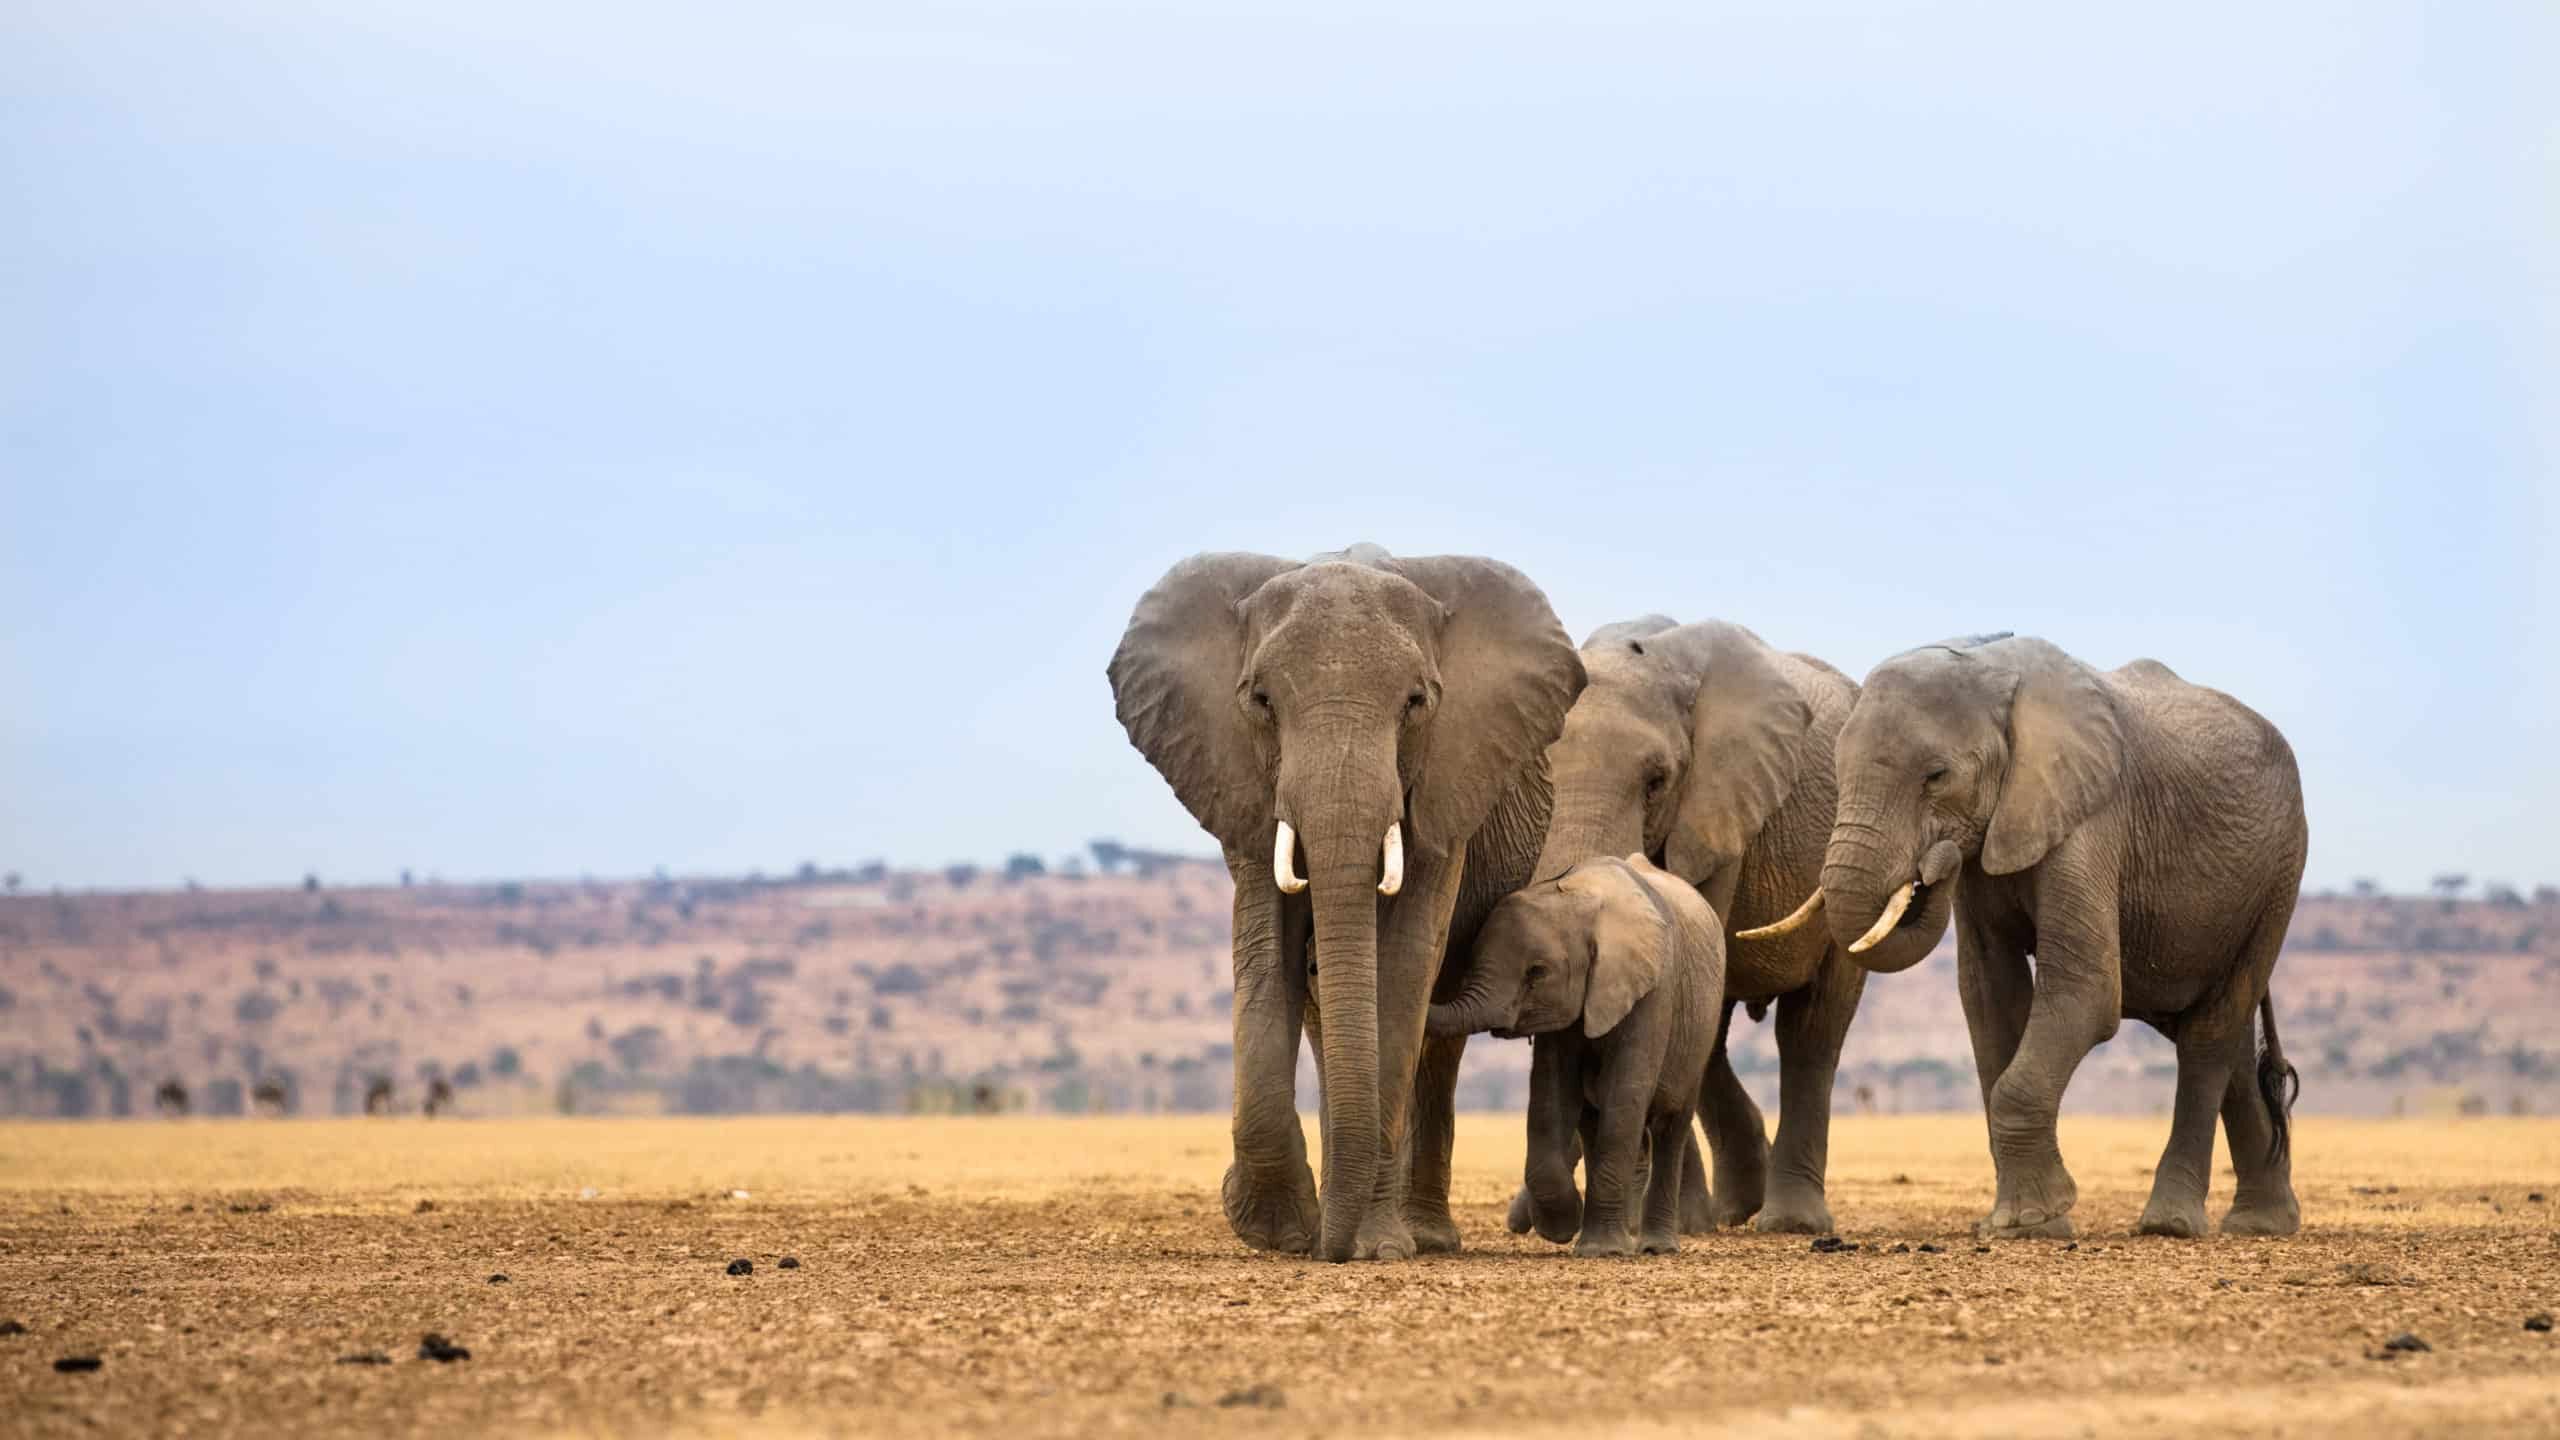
x=256, y=1007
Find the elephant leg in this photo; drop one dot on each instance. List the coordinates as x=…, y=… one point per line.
x=1412, y=942
x=2264, y=1204
x=1548, y=1200
x=1736, y=1134
x=1998, y=991
x=1610, y=1175
x=1697, y=1202
x=1812, y=1024
x=2075, y=1004
x=2176, y=1207
x=1669, y=1134
x=1269, y=1192
x=1434, y=1135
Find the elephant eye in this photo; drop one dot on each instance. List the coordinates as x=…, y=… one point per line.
x=1936, y=774
x=1536, y=974
x=1261, y=698
x=1417, y=700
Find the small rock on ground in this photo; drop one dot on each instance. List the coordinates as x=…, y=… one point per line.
x=77, y=1364
x=1254, y=1397
x=2539, y=1324
x=437, y=1348
x=789, y=1262
x=365, y=1357
x=2407, y=1343
x=742, y=1267
x=12, y=1327
x=499, y=1279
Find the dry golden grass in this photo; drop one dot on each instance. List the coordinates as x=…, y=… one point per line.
x=1026, y=1276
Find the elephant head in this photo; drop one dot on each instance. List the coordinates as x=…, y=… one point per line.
x=1989, y=749
x=1583, y=947
x=1686, y=740
x=1324, y=721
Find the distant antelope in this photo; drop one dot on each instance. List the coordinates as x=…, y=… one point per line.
x=439, y=1097
x=172, y=1098
x=268, y=1097
x=377, y=1096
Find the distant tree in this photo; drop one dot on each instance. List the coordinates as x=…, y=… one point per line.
x=194, y=888
x=2450, y=885
x=311, y=884
x=12, y=881
x=439, y=1097
x=504, y=1061
x=808, y=872
x=2546, y=894
x=377, y=1096
x=1109, y=856
x=2502, y=895
x=958, y=877
x=2365, y=888
x=406, y=880
x=871, y=872
x=1023, y=866
x=256, y=1007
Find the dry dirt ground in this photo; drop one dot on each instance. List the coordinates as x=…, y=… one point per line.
x=1023, y=1277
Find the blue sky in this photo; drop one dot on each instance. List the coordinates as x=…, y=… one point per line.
x=500, y=439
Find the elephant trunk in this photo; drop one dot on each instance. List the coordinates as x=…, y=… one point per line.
x=1344, y=811
x=1591, y=818
x=1886, y=908
x=1487, y=1003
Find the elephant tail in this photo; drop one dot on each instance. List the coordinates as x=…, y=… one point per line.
x=2279, y=1084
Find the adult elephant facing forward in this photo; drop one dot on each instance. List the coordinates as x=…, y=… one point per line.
x=1366, y=738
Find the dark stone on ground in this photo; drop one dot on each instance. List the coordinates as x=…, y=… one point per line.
x=437, y=1348
x=742, y=1267
x=1833, y=1245
x=365, y=1357
x=2539, y=1324
x=789, y=1262
x=2407, y=1343
x=499, y=1279
x=1254, y=1397
x=77, y=1364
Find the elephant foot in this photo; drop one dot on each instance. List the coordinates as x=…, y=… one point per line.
x=1795, y=1215
x=1661, y=1242
x=1434, y=1233
x=1282, y=1215
x=1741, y=1183
x=1524, y=1213
x=2023, y=1225
x=1383, y=1237
x=2264, y=1218
x=2179, y=1220
x=1605, y=1240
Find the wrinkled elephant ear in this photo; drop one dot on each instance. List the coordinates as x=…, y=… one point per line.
x=1747, y=730
x=1174, y=679
x=2066, y=755
x=1630, y=942
x=1507, y=675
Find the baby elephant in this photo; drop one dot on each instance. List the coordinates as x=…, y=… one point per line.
x=1617, y=969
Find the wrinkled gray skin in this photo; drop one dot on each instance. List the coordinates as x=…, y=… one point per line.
x=1614, y=970
x=2143, y=839
x=1710, y=752
x=1344, y=695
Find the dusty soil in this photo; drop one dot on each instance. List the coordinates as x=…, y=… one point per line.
x=1027, y=1276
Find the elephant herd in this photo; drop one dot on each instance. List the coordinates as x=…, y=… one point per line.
x=1444, y=819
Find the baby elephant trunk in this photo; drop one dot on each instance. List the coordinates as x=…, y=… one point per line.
x=1484, y=1005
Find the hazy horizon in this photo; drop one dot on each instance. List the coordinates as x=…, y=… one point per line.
x=504, y=444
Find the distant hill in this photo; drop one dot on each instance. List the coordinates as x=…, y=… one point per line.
x=967, y=989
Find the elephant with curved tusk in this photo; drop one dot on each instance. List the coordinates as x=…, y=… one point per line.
x=1366, y=737
x=2142, y=838
x=1707, y=750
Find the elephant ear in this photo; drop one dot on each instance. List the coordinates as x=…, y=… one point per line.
x=1747, y=731
x=2066, y=756
x=1630, y=942
x=1174, y=679
x=1507, y=675
x=1643, y=627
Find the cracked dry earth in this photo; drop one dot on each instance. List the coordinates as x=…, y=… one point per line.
x=1021, y=1277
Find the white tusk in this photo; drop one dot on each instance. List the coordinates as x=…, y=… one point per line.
x=1284, y=861
x=1805, y=912
x=1885, y=922
x=1393, y=879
